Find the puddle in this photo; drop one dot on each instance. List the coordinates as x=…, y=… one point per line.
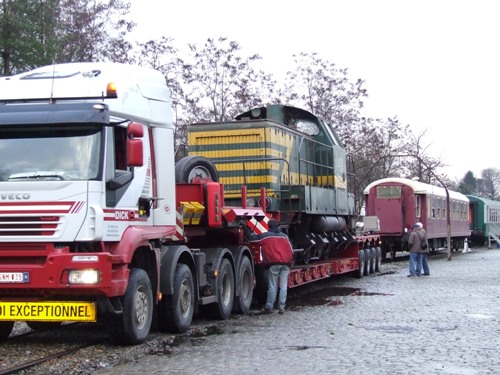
x=327, y=297
x=305, y=347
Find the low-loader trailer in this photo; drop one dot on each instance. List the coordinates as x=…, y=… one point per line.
x=98, y=221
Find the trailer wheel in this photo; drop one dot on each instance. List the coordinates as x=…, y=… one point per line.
x=5, y=329
x=225, y=292
x=373, y=259
x=361, y=264
x=133, y=324
x=245, y=282
x=175, y=312
x=378, y=259
x=368, y=260
x=190, y=167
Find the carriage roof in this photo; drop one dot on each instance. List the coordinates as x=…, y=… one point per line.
x=419, y=188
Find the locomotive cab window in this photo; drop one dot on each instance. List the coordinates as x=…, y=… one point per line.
x=307, y=127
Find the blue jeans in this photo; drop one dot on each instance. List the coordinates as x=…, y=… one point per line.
x=425, y=264
x=415, y=263
x=273, y=274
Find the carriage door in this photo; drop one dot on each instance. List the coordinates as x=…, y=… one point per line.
x=389, y=209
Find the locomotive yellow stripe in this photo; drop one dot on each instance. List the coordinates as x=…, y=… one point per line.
x=277, y=144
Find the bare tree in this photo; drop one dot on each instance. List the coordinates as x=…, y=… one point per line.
x=219, y=83
x=324, y=89
x=420, y=164
x=488, y=186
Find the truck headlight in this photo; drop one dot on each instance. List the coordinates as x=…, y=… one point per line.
x=84, y=276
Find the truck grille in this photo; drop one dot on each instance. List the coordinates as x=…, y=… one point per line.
x=33, y=220
x=29, y=226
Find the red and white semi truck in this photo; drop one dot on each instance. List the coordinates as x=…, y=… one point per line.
x=97, y=221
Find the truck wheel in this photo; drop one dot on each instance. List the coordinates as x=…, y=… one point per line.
x=133, y=324
x=378, y=259
x=5, y=329
x=225, y=292
x=175, y=312
x=374, y=260
x=245, y=286
x=368, y=260
x=190, y=167
x=361, y=264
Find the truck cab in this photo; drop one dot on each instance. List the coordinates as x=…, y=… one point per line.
x=78, y=191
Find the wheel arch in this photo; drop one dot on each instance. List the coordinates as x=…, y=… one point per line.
x=170, y=256
x=147, y=260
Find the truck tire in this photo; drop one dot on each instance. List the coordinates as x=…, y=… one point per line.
x=378, y=259
x=5, y=329
x=368, y=259
x=175, y=312
x=225, y=292
x=373, y=259
x=133, y=324
x=361, y=264
x=245, y=280
x=190, y=167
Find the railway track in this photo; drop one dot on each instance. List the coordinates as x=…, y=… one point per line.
x=16, y=369
x=29, y=351
x=83, y=349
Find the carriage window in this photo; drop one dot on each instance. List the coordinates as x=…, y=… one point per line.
x=388, y=192
x=419, y=206
x=493, y=215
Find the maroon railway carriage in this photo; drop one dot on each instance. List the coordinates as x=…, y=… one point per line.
x=399, y=203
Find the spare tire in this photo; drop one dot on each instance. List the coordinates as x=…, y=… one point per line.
x=190, y=167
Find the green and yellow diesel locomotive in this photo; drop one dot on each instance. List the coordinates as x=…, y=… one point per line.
x=301, y=163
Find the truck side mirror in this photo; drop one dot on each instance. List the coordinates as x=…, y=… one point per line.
x=135, y=146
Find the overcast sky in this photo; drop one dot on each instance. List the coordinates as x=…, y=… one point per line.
x=435, y=64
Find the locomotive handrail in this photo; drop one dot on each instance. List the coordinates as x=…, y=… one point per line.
x=308, y=163
x=263, y=159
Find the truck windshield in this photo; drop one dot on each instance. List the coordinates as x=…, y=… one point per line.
x=62, y=152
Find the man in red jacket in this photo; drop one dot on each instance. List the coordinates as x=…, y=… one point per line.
x=277, y=255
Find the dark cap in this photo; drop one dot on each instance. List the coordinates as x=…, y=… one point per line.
x=273, y=223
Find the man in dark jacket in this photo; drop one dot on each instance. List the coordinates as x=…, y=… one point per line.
x=277, y=257
x=417, y=254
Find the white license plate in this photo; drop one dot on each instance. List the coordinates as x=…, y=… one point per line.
x=14, y=277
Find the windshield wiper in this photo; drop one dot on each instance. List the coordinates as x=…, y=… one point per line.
x=37, y=176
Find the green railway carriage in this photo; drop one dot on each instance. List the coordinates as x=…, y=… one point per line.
x=484, y=220
x=299, y=160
